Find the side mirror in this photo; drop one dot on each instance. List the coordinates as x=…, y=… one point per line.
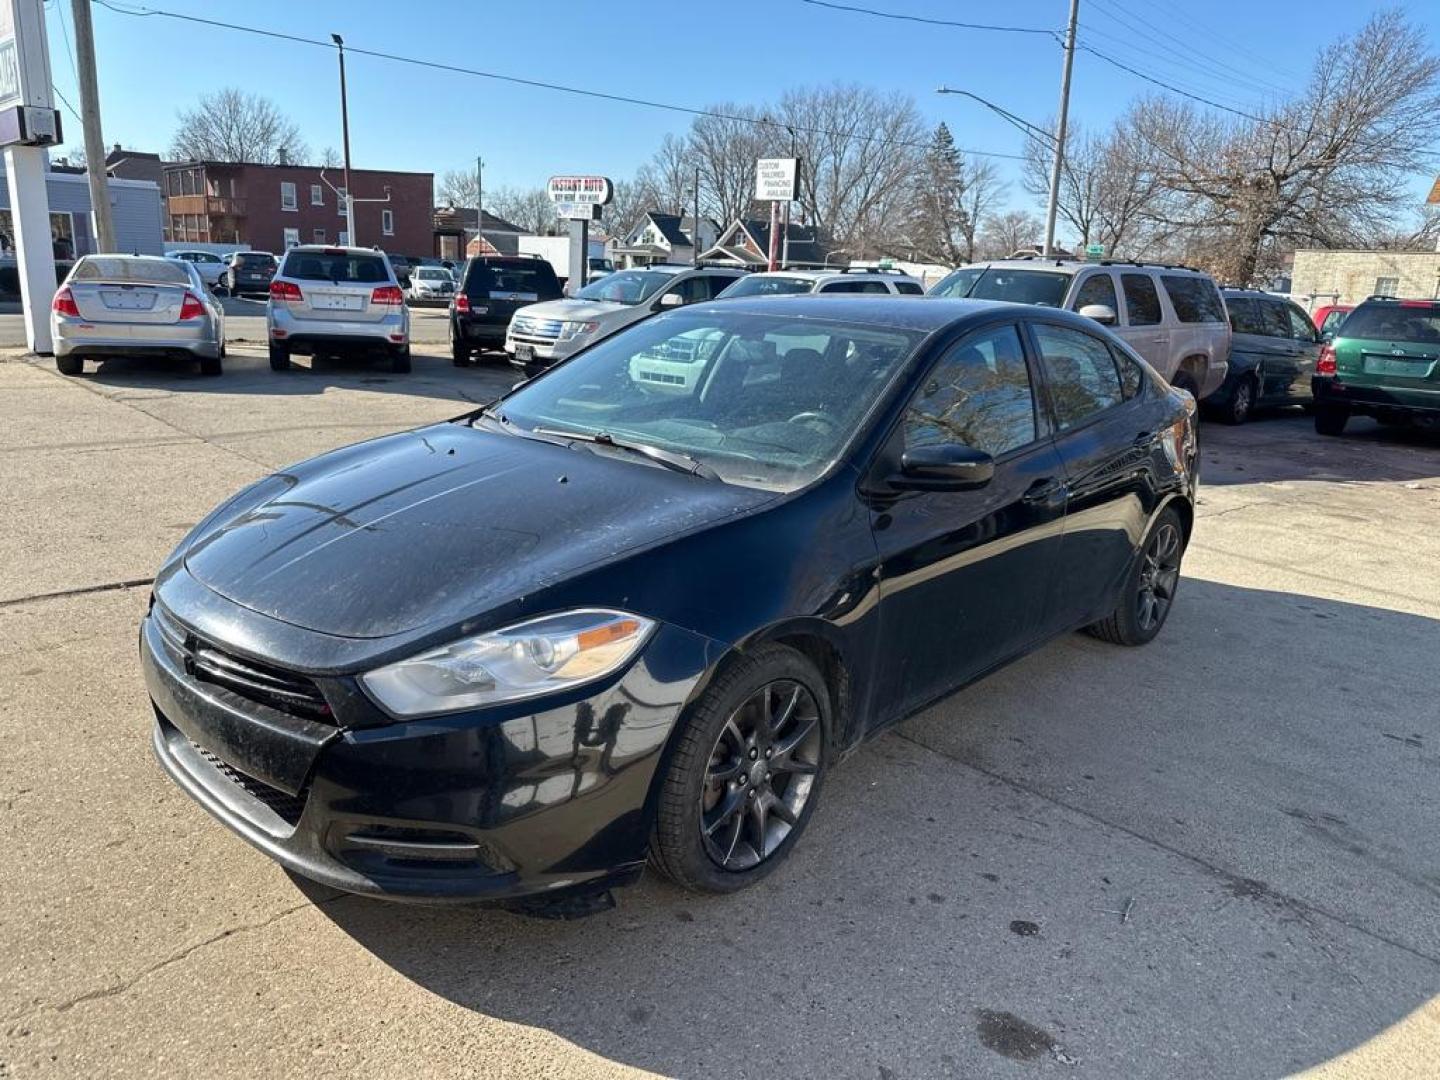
x=945, y=467
x=671, y=299
x=1104, y=314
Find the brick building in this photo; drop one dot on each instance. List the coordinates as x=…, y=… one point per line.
x=272, y=207
x=1347, y=277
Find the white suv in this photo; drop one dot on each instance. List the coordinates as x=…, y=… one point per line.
x=869, y=280
x=1173, y=316
x=540, y=335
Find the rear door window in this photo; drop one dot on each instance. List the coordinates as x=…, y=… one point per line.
x=341, y=267
x=1274, y=319
x=1142, y=302
x=1081, y=372
x=1194, y=298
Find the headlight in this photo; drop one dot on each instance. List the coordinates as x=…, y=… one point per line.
x=577, y=329
x=522, y=661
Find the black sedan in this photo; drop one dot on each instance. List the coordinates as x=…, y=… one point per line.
x=638, y=607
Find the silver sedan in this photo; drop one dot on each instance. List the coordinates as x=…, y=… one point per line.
x=127, y=305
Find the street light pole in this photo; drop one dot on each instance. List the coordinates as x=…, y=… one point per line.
x=1060, y=130
x=345, y=135
x=479, y=206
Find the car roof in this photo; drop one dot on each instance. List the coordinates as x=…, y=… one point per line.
x=311, y=249
x=1062, y=265
x=887, y=312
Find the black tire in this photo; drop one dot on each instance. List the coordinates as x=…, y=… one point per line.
x=279, y=358
x=459, y=353
x=1156, y=575
x=70, y=365
x=1331, y=419
x=211, y=365
x=678, y=848
x=400, y=360
x=1242, y=402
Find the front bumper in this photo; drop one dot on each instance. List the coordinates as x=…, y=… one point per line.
x=493, y=804
x=1375, y=400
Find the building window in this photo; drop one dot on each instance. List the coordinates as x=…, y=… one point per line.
x=317, y=195
x=317, y=236
x=1387, y=286
x=387, y=222
x=287, y=196
x=292, y=238
x=344, y=240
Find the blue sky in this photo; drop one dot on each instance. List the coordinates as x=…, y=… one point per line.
x=667, y=50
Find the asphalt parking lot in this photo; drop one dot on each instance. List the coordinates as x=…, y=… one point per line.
x=1215, y=856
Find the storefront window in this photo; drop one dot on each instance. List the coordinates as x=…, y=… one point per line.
x=62, y=235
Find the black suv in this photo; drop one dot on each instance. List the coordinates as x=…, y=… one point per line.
x=249, y=272
x=492, y=288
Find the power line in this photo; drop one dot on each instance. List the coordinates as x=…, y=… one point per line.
x=538, y=84
x=66, y=103
x=931, y=22
x=1235, y=46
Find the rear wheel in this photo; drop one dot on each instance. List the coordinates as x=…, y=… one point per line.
x=279, y=358
x=400, y=360
x=459, y=352
x=1241, y=404
x=1150, y=589
x=746, y=771
x=211, y=365
x=69, y=365
x=1331, y=419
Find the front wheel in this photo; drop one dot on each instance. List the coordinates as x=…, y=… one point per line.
x=1150, y=589
x=746, y=771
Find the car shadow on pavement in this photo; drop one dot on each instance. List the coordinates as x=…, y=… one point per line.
x=1286, y=447
x=1181, y=860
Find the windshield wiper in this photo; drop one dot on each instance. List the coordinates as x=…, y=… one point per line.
x=671, y=459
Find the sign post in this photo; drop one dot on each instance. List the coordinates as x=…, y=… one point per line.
x=775, y=183
x=28, y=123
x=578, y=199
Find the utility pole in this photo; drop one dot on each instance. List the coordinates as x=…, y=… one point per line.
x=90, y=113
x=345, y=135
x=785, y=246
x=479, y=206
x=1060, y=130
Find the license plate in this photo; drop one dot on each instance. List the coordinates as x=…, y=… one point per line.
x=336, y=302
x=1401, y=368
x=127, y=299
x=524, y=353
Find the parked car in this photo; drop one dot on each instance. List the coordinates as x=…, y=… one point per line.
x=249, y=273
x=546, y=333
x=1384, y=362
x=337, y=301
x=1328, y=317
x=208, y=265
x=1273, y=350
x=1172, y=315
x=492, y=288
x=867, y=281
x=432, y=284
x=517, y=653
x=128, y=305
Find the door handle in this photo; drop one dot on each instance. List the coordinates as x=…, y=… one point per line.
x=1042, y=491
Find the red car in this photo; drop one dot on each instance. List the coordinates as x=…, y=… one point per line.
x=1328, y=318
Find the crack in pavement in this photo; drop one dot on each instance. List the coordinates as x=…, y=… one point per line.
x=109, y=586
x=1238, y=883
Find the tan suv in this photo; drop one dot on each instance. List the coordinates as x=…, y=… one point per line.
x=1173, y=316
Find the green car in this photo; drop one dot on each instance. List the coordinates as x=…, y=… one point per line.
x=1384, y=362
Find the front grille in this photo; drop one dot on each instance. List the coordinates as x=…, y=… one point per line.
x=528, y=328
x=287, y=807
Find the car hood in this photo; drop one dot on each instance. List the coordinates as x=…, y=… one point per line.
x=439, y=525
x=576, y=310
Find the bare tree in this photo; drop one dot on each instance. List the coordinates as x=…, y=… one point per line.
x=530, y=208
x=725, y=148
x=457, y=187
x=669, y=177
x=231, y=125
x=1326, y=168
x=983, y=189
x=1004, y=234
x=953, y=195
x=330, y=158
x=631, y=200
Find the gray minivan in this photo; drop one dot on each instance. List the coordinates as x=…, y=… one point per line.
x=1273, y=349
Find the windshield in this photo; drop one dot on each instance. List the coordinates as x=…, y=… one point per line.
x=150, y=271
x=956, y=284
x=764, y=400
x=759, y=285
x=335, y=266
x=1409, y=320
x=1020, y=286
x=626, y=286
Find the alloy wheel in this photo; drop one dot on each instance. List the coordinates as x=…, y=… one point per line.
x=1242, y=402
x=760, y=775
x=1159, y=575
